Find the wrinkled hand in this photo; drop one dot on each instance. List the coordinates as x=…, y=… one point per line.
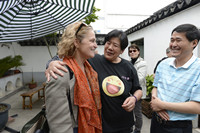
x=53, y=68
x=163, y=114
x=129, y=104
x=156, y=104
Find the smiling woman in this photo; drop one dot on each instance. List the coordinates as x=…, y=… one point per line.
x=77, y=45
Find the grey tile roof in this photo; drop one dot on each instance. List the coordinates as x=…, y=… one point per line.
x=167, y=11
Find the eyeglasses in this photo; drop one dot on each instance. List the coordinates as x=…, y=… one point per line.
x=79, y=28
x=130, y=51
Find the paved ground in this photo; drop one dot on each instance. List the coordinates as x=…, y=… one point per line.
x=25, y=115
x=16, y=108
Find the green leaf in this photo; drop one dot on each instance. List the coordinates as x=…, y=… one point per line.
x=8, y=62
x=149, y=83
x=92, y=17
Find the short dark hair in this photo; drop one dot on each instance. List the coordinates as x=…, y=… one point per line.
x=191, y=31
x=134, y=46
x=119, y=34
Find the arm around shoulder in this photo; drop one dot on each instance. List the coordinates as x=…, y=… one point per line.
x=54, y=68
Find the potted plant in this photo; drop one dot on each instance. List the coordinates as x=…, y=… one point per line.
x=17, y=60
x=149, y=84
x=3, y=115
x=32, y=84
x=9, y=62
x=146, y=108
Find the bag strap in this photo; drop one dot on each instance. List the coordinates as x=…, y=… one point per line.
x=70, y=72
x=69, y=97
x=45, y=125
x=38, y=124
x=70, y=107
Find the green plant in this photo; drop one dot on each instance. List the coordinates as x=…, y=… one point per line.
x=92, y=17
x=9, y=62
x=149, y=83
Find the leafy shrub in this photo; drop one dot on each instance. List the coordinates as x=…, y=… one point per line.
x=8, y=62
x=149, y=83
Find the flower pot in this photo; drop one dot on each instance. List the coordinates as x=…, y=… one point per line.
x=17, y=71
x=3, y=115
x=146, y=108
x=32, y=85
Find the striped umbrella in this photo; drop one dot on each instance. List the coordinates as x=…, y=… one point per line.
x=29, y=19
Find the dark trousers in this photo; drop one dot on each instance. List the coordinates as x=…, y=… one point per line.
x=75, y=129
x=122, y=131
x=156, y=127
x=138, y=116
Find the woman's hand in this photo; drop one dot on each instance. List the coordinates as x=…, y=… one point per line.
x=55, y=67
x=129, y=104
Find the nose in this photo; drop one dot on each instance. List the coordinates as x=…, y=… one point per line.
x=110, y=46
x=95, y=44
x=173, y=44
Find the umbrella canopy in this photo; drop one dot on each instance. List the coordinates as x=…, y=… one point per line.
x=29, y=19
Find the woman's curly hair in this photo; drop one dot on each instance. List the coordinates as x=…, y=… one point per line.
x=66, y=46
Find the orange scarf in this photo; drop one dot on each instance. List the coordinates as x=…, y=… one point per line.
x=86, y=97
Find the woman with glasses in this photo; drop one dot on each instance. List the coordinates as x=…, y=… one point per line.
x=73, y=100
x=141, y=68
x=118, y=83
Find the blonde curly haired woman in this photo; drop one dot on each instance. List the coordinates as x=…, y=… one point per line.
x=78, y=44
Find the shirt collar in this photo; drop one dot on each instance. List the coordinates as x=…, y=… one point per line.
x=186, y=65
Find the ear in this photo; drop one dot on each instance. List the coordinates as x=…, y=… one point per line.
x=76, y=43
x=122, y=51
x=194, y=43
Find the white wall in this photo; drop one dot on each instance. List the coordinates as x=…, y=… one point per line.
x=157, y=36
x=35, y=57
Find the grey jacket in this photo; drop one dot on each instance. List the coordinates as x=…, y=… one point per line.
x=141, y=67
x=57, y=106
